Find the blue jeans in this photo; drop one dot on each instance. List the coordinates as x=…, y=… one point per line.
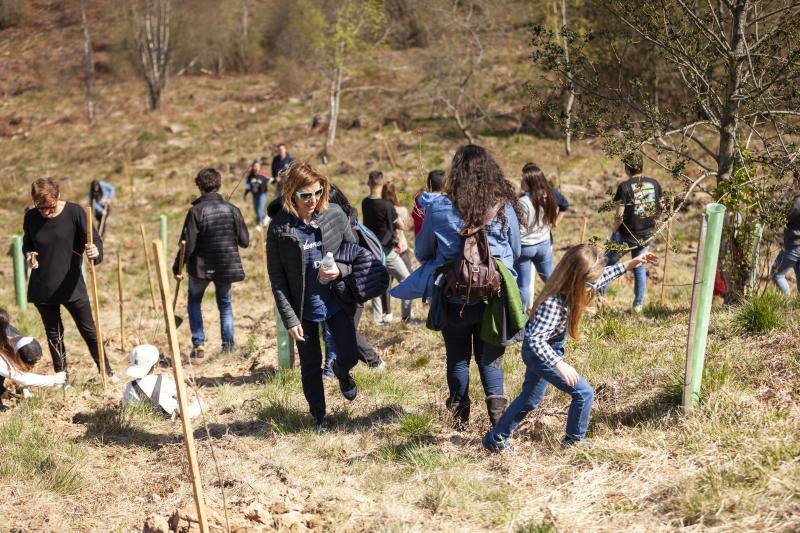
x=259, y=206
x=197, y=287
x=537, y=375
x=539, y=256
x=330, y=345
x=639, y=273
x=462, y=338
x=788, y=259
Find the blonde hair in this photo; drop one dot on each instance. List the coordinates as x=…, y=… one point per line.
x=301, y=175
x=580, y=264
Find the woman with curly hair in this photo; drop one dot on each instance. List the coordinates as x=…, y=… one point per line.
x=474, y=186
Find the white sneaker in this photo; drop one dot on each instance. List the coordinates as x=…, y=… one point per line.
x=114, y=378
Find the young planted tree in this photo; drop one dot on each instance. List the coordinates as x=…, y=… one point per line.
x=727, y=109
x=152, y=32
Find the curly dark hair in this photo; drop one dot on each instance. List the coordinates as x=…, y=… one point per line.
x=475, y=184
x=208, y=180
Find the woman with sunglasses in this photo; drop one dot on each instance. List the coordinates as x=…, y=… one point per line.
x=303, y=229
x=54, y=243
x=556, y=312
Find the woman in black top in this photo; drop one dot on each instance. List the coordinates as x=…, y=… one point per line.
x=54, y=242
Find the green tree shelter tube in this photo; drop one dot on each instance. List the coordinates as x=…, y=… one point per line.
x=285, y=343
x=19, y=272
x=164, y=234
x=715, y=214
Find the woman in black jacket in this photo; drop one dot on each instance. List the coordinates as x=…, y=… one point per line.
x=54, y=243
x=303, y=229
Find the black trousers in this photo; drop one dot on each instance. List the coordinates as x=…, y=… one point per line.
x=81, y=312
x=365, y=350
x=310, y=351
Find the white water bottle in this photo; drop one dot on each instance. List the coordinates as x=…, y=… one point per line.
x=327, y=264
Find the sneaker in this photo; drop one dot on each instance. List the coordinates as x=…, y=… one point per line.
x=638, y=309
x=380, y=366
x=113, y=378
x=568, y=443
x=321, y=426
x=198, y=352
x=494, y=444
x=327, y=373
x=346, y=383
x=388, y=319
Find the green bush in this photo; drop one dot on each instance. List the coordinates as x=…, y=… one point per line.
x=11, y=13
x=761, y=314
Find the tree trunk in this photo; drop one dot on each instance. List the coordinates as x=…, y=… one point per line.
x=334, y=99
x=570, y=88
x=88, y=63
x=155, y=51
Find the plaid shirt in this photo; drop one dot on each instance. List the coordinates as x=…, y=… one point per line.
x=550, y=319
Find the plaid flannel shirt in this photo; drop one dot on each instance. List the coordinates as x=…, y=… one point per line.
x=550, y=319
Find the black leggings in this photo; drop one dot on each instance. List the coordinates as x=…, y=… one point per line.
x=81, y=312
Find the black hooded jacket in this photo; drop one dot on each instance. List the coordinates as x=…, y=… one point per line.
x=286, y=261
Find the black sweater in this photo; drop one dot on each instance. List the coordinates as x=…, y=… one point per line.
x=60, y=243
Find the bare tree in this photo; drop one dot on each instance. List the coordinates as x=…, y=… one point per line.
x=569, y=86
x=88, y=62
x=730, y=112
x=151, y=19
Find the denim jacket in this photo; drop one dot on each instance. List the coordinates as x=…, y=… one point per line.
x=439, y=241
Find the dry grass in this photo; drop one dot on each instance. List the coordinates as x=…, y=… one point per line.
x=391, y=462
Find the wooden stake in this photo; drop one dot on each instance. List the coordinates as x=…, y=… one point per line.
x=149, y=270
x=177, y=368
x=95, y=299
x=583, y=231
x=666, y=262
x=181, y=259
x=121, y=304
x=698, y=277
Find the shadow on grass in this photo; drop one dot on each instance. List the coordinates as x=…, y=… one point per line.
x=280, y=417
x=259, y=375
x=658, y=406
x=123, y=425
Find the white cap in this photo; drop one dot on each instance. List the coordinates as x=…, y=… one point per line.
x=143, y=358
x=22, y=342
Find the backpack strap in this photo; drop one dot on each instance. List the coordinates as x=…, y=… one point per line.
x=468, y=231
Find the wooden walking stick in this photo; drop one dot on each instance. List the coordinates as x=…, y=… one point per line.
x=180, y=385
x=583, y=231
x=666, y=263
x=181, y=259
x=121, y=304
x=95, y=299
x=149, y=272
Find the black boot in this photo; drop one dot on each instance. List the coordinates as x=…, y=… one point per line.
x=460, y=412
x=496, y=406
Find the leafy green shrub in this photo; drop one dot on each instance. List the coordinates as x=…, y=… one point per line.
x=761, y=314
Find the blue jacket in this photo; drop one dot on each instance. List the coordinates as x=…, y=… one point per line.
x=439, y=241
x=107, y=192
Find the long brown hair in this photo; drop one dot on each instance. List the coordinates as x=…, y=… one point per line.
x=541, y=194
x=389, y=193
x=298, y=176
x=580, y=264
x=475, y=184
x=6, y=348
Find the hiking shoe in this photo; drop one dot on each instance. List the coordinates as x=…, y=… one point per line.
x=346, y=383
x=321, y=425
x=198, y=352
x=495, y=444
x=380, y=366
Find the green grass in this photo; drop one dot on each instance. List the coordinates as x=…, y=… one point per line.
x=415, y=426
x=761, y=314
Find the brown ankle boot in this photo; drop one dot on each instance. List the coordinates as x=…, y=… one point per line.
x=496, y=406
x=460, y=411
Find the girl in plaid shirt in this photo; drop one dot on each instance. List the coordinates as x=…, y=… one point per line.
x=557, y=312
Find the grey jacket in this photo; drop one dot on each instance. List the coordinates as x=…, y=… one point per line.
x=286, y=261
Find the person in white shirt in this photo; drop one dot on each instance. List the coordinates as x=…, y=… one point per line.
x=156, y=389
x=17, y=357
